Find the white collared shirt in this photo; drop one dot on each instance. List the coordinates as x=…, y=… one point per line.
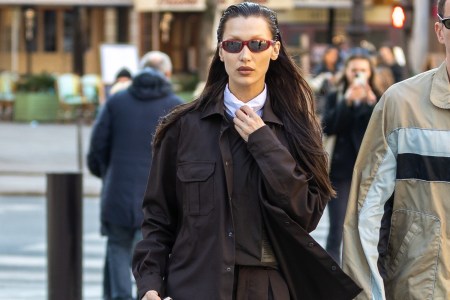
x=232, y=103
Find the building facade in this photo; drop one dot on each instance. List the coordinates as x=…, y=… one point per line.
x=60, y=36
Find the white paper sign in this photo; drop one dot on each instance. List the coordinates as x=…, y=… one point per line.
x=114, y=57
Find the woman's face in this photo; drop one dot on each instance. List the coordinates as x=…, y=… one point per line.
x=357, y=66
x=247, y=70
x=331, y=56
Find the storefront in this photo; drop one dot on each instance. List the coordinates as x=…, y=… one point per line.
x=48, y=35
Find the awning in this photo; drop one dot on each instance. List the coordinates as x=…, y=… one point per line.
x=199, y=5
x=68, y=2
x=169, y=5
x=273, y=4
x=327, y=3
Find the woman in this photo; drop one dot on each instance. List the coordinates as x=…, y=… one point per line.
x=234, y=171
x=325, y=75
x=347, y=113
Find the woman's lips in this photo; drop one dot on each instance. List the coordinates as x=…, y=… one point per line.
x=245, y=70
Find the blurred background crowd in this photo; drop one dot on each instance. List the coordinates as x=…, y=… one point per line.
x=73, y=51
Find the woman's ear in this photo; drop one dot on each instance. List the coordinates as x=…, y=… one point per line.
x=276, y=50
x=221, y=54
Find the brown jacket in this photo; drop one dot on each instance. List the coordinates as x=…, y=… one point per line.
x=188, y=249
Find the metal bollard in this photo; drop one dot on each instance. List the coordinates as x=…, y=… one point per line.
x=64, y=236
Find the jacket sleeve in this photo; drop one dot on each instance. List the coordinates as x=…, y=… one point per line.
x=372, y=186
x=100, y=144
x=160, y=217
x=285, y=184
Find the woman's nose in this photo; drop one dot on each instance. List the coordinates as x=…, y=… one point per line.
x=245, y=53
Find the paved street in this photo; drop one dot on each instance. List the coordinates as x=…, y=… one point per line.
x=23, y=244
x=27, y=153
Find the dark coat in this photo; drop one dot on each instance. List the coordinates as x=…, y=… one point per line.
x=309, y=271
x=188, y=250
x=120, y=148
x=349, y=124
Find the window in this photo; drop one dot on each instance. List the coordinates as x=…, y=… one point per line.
x=50, y=31
x=69, y=24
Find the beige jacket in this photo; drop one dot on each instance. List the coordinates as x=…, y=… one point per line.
x=397, y=227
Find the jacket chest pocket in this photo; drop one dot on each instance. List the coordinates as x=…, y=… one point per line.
x=197, y=182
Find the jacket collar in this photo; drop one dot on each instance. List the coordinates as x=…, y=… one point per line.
x=440, y=88
x=217, y=108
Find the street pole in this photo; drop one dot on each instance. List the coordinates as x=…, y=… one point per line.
x=64, y=236
x=331, y=21
x=419, y=35
x=79, y=143
x=30, y=15
x=357, y=29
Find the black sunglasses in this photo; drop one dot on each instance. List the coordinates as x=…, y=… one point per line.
x=445, y=21
x=233, y=46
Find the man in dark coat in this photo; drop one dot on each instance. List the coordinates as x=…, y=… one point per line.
x=120, y=154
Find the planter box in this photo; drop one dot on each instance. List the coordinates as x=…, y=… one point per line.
x=38, y=106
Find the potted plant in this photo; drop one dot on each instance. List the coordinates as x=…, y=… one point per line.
x=36, y=99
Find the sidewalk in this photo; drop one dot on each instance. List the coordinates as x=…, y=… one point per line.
x=28, y=151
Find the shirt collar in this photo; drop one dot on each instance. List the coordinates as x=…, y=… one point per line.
x=440, y=88
x=216, y=108
x=232, y=103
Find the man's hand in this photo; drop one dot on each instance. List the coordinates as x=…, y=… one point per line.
x=247, y=121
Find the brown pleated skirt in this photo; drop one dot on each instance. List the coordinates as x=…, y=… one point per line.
x=259, y=283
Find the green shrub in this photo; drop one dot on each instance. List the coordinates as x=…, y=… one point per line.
x=43, y=82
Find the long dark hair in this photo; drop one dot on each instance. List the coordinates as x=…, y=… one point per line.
x=290, y=96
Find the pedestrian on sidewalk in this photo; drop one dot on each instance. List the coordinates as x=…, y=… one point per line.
x=346, y=115
x=120, y=154
x=239, y=179
x=122, y=82
x=396, y=232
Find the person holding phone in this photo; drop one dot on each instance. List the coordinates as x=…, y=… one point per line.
x=347, y=113
x=239, y=179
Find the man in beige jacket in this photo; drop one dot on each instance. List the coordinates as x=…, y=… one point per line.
x=397, y=229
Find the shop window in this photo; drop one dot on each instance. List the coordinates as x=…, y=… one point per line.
x=69, y=25
x=49, y=31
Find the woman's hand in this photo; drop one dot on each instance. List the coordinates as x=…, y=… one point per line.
x=371, y=98
x=247, y=121
x=357, y=93
x=151, y=295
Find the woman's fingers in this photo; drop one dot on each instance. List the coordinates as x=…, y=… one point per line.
x=247, y=121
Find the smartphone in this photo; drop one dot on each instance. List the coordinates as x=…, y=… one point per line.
x=360, y=79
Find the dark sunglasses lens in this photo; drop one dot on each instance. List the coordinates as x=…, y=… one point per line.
x=232, y=46
x=258, y=45
x=446, y=23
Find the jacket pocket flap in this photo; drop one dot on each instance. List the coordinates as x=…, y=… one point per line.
x=195, y=171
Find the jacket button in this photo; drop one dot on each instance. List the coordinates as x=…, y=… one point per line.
x=230, y=234
x=333, y=268
x=228, y=269
x=226, y=163
x=310, y=244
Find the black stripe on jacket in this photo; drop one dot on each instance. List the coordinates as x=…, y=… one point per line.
x=422, y=167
